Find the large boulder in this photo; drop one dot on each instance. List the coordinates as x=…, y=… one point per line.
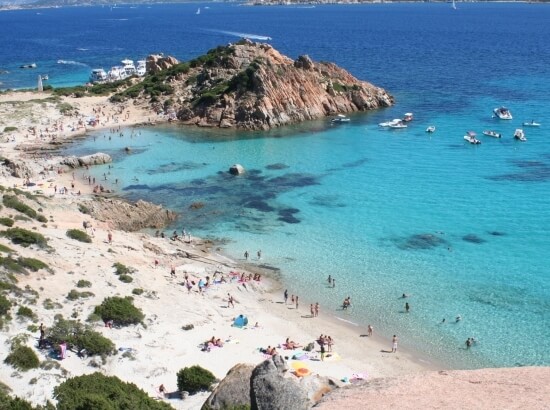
x=71, y=161
x=19, y=169
x=233, y=390
x=271, y=390
x=95, y=159
x=317, y=386
x=158, y=62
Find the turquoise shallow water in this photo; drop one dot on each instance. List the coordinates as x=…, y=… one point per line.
x=463, y=229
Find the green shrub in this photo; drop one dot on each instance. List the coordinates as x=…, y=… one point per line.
x=22, y=358
x=32, y=264
x=79, y=336
x=10, y=129
x=5, y=249
x=120, y=310
x=11, y=265
x=11, y=201
x=15, y=403
x=83, y=284
x=22, y=218
x=5, y=305
x=7, y=222
x=74, y=294
x=121, y=269
x=25, y=238
x=24, y=311
x=137, y=291
x=97, y=391
x=50, y=304
x=195, y=379
x=79, y=235
x=41, y=218
x=125, y=278
x=84, y=209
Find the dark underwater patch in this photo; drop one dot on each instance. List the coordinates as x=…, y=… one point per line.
x=175, y=167
x=276, y=166
x=472, y=238
x=327, y=201
x=289, y=181
x=496, y=233
x=261, y=206
x=355, y=164
x=421, y=241
x=531, y=171
x=287, y=215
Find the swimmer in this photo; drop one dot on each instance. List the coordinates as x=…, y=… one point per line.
x=458, y=319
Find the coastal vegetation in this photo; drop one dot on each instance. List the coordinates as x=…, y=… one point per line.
x=11, y=201
x=22, y=357
x=195, y=379
x=25, y=312
x=75, y=295
x=82, y=283
x=25, y=238
x=80, y=337
x=97, y=391
x=120, y=310
x=79, y=235
x=7, y=222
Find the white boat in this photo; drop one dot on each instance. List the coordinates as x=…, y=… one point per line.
x=98, y=75
x=503, y=113
x=390, y=123
x=531, y=124
x=116, y=73
x=32, y=65
x=519, y=135
x=198, y=11
x=128, y=67
x=141, y=69
x=493, y=134
x=408, y=117
x=341, y=118
x=431, y=128
x=45, y=77
x=471, y=138
x=398, y=125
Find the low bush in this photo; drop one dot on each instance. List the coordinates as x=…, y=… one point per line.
x=24, y=311
x=121, y=269
x=22, y=357
x=79, y=336
x=10, y=129
x=120, y=310
x=97, y=391
x=16, y=403
x=11, y=265
x=25, y=238
x=83, y=284
x=79, y=235
x=74, y=295
x=5, y=249
x=137, y=291
x=195, y=379
x=50, y=304
x=11, y=201
x=125, y=278
x=84, y=209
x=5, y=305
x=7, y=222
x=32, y=264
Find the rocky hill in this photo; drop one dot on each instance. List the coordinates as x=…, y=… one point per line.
x=252, y=86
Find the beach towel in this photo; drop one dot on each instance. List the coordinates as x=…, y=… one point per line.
x=332, y=357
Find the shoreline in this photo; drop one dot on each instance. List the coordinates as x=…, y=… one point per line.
x=166, y=303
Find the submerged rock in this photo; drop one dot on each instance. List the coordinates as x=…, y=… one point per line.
x=236, y=169
x=473, y=238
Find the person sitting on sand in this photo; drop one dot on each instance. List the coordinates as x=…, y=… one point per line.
x=291, y=344
x=218, y=343
x=162, y=390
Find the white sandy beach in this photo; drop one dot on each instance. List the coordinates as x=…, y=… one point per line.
x=161, y=348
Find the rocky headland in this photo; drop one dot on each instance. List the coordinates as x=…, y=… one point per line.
x=251, y=86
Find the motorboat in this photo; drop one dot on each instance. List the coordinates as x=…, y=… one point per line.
x=531, y=124
x=32, y=65
x=408, y=117
x=520, y=135
x=503, y=113
x=98, y=75
x=141, y=69
x=398, y=125
x=390, y=123
x=431, y=128
x=128, y=67
x=471, y=138
x=45, y=77
x=341, y=118
x=116, y=73
x=493, y=134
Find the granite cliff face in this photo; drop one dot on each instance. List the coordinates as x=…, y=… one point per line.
x=252, y=86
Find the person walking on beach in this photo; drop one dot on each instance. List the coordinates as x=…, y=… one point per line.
x=246, y=255
x=322, y=352
x=110, y=237
x=317, y=309
x=407, y=307
x=286, y=296
x=312, y=310
x=230, y=301
x=369, y=330
x=172, y=271
x=394, y=344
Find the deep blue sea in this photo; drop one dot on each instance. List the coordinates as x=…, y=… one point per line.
x=463, y=229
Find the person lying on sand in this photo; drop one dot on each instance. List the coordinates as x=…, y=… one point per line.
x=291, y=344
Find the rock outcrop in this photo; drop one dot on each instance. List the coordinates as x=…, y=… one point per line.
x=236, y=169
x=252, y=86
x=271, y=390
x=130, y=217
x=233, y=390
x=93, y=159
x=18, y=168
x=156, y=62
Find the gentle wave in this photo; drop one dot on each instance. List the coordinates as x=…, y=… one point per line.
x=347, y=321
x=71, y=62
x=245, y=35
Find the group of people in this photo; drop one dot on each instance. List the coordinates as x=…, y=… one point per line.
x=213, y=342
x=293, y=299
x=314, y=308
x=346, y=303
x=271, y=351
x=259, y=254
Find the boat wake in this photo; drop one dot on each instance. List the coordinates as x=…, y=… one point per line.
x=71, y=62
x=243, y=35
x=82, y=49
